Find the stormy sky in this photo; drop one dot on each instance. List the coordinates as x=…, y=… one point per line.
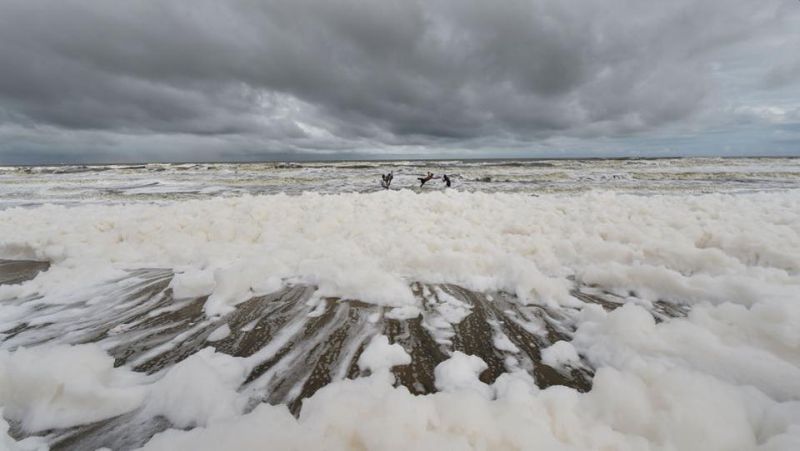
x=201, y=80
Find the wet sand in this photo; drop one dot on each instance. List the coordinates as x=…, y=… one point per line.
x=18, y=271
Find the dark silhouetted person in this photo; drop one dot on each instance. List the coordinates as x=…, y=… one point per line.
x=423, y=180
x=446, y=180
x=386, y=179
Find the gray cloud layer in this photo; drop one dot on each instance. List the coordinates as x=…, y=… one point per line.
x=205, y=78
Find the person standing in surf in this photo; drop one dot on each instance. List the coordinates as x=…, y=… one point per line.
x=386, y=180
x=446, y=180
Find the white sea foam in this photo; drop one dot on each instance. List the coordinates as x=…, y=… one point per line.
x=59, y=386
x=716, y=248
x=9, y=444
x=220, y=333
x=662, y=410
x=460, y=372
x=723, y=378
x=559, y=354
x=380, y=355
x=502, y=343
x=199, y=390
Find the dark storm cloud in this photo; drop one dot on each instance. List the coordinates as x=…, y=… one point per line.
x=331, y=75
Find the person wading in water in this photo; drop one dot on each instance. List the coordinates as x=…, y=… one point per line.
x=446, y=180
x=386, y=179
x=422, y=180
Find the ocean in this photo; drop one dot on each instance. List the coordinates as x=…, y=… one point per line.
x=535, y=304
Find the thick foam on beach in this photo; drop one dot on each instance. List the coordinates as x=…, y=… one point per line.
x=399, y=320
